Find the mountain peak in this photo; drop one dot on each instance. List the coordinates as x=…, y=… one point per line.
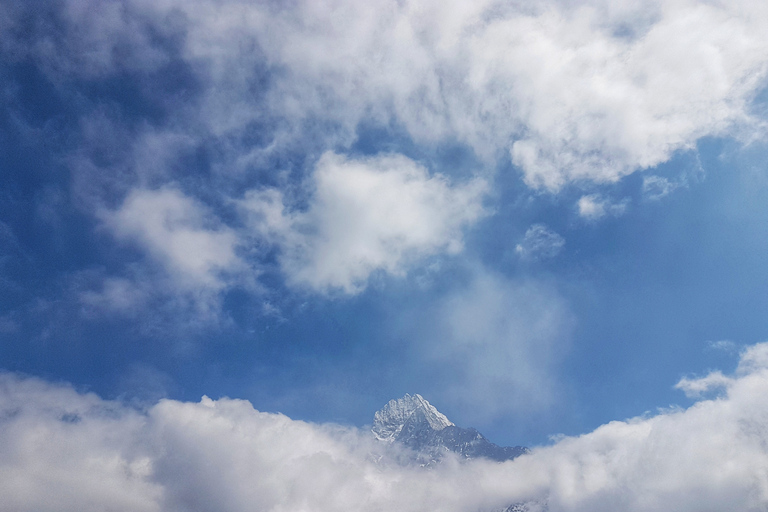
x=410, y=409
x=414, y=423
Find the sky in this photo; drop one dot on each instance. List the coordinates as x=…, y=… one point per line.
x=219, y=216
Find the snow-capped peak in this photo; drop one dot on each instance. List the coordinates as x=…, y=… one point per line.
x=389, y=421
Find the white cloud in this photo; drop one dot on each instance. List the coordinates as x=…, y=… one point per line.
x=65, y=451
x=753, y=359
x=694, y=388
x=62, y=450
x=574, y=92
x=162, y=304
x=595, y=206
x=540, y=242
x=365, y=215
x=180, y=233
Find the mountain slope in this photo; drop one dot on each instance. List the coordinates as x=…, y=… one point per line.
x=415, y=423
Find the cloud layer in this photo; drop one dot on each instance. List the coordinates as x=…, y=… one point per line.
x=63, y=450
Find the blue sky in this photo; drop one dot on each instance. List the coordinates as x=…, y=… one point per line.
x=541, y=216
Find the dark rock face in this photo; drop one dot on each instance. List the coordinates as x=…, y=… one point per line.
x=470, y=444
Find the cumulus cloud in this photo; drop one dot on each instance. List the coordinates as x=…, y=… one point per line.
x=63, y=450
x=540, y=242
x=365, y=215
x=180, y=233
x=595, y=206
x=711, y=456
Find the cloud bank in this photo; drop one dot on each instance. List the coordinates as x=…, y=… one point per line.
x=64, y=450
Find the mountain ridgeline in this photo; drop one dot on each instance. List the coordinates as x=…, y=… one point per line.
x=416, y=424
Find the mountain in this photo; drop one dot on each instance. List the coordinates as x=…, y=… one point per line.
x=416, y=424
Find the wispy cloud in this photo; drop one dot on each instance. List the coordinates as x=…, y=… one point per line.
x=540, y=243
x=595, y=206
x=116, y=294
x=657, y=187
x=493, y=78
x=724, y=345
x=501, y=341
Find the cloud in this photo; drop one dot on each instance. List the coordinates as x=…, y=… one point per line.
x=595, y=206
x=573, y=92
x=711, y=456
x=587, y=92
x=183, y=260
x=657, y=187
x=116, y=294
x=540, y=243
x=63, y=450
x=178, y=232
x=753, y=359
x=724, y=345
x=694, y=388
x=499, y=343
x=365, y=215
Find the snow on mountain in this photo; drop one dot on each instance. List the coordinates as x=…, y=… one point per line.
x=414, y=423
x=389, y=422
